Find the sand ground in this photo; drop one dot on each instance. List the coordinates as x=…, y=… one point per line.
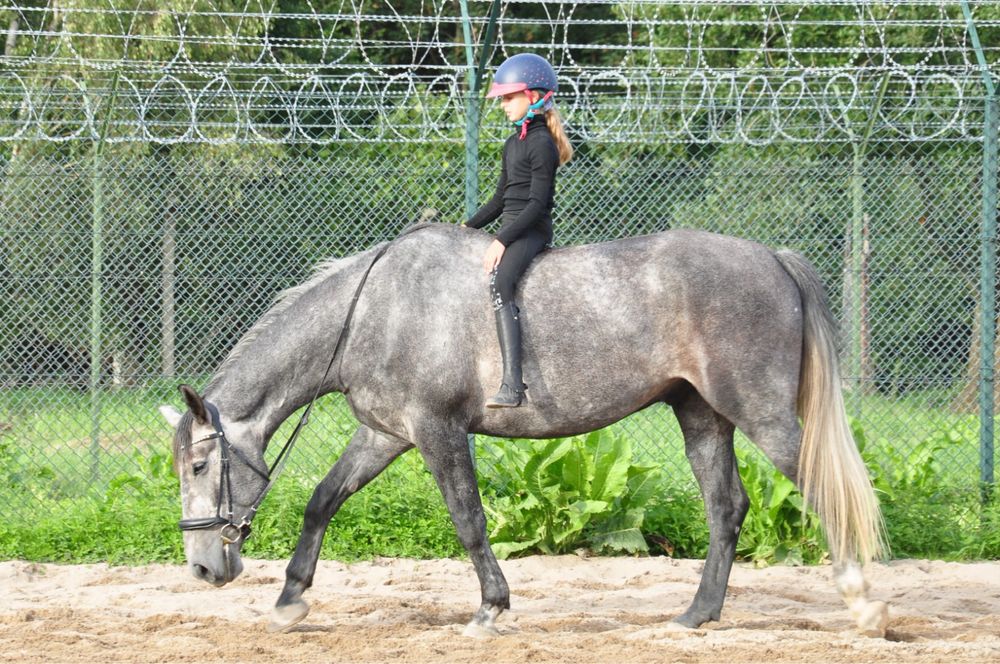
x=564, y=609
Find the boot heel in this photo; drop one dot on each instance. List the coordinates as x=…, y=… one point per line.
x=505, y=398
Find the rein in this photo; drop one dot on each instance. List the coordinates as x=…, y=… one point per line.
x=231, y=531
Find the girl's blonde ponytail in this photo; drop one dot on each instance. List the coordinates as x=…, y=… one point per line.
x=554, y=121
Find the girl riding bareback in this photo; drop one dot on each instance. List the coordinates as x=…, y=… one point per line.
x=526, y=84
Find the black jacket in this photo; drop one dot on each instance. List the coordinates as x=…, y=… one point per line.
x=527, y=185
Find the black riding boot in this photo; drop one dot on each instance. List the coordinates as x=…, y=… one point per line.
x=509, y=332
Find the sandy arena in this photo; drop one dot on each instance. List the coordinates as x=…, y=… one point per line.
x=564, y=609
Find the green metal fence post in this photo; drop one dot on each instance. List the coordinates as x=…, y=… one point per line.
x=474, y=78
x=471, y=117
x=96, y=296
x=988, y=287
x=96, y=309
x=988, y=264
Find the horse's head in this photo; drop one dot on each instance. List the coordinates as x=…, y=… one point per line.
x=223, y=478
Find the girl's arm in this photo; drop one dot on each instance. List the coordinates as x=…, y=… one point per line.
x=544, y=160
x=494, y=206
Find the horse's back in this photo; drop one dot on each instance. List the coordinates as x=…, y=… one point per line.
x=608, y=328
x=614, y=326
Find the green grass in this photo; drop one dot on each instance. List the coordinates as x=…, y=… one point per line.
x=63, y=498
x=400, y=514
x=52, y=429
x=890, y=423
x=134, y=520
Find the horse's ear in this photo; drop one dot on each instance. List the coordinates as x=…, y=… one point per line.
x=171, y=415
x=195, y=403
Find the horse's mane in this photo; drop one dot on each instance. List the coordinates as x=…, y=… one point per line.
x=288, y=297
x=282, y=302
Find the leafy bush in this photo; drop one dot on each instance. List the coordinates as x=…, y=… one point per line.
x=549, y=496
x=987, y=545
x=400, y=514
x=925, y=515
x=567, y=493
x=778, y=528
x=132, y=520
x=675, y=523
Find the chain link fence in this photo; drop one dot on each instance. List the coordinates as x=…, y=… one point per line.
x=166, y=169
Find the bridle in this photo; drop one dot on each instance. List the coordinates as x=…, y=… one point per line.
x=232, y=531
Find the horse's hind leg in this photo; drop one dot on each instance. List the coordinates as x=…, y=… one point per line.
x=367, y=455
x=708, y=443
x=448, y=458
x=871, y=616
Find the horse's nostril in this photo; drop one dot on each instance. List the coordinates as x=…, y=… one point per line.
x=200, y=571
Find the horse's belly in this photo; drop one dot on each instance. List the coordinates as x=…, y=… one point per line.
x=587, y=402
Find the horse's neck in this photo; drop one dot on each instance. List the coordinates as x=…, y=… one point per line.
x=278, y=364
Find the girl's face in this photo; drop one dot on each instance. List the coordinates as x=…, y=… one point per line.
x=516, y=104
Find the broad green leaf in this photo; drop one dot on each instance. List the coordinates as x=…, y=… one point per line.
x=629, y=539
x=620, y=521
x=632, y=518
x=502, y=550
x=592, y=441
x=576, y=472
x=534, y=471
x=783, y=487
x=579, y=514
x=588, y=506
x=611, y=463
x=566, y=537
x=643, y=484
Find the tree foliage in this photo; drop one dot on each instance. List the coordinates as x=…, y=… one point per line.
x=250, y=219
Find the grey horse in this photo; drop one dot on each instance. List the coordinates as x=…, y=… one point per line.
x=726, y=331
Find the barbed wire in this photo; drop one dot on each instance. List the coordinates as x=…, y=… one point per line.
x=218, y=72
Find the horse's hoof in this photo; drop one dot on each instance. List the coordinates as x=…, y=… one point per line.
x=691, y=620
x=476, y=631
x=874, y=619
x=284, y=618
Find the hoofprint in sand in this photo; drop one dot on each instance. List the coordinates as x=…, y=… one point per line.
x=564, y=608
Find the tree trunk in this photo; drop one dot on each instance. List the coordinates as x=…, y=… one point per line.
x=858, y=364
x=867, y=370
x=126, y=368
x=11, y=38
x=56, y=16
x=168, y=269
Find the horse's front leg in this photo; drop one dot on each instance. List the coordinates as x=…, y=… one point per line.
x=367, y=455
x=447, y=456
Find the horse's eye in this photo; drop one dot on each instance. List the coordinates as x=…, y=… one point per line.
x=199, y=467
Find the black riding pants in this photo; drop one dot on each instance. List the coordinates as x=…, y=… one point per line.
x=515, y=260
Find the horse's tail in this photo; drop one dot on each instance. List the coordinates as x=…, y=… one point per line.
x=832, y=476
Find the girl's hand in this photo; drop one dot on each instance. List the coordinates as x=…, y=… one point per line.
x=493, y=255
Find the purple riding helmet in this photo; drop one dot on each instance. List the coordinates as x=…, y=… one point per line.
x=525, y=71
